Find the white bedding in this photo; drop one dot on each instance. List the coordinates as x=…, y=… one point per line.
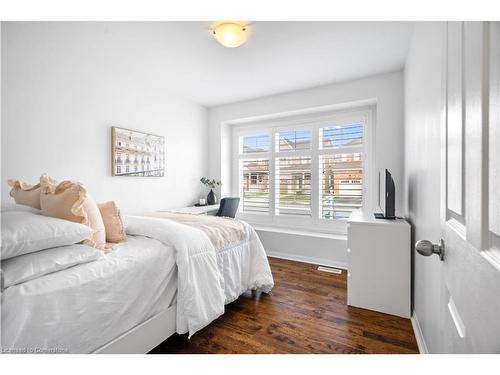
x=79, y=309
x=31, y=266
x=207, y=278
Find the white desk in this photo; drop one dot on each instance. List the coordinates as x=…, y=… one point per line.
x=196, y=210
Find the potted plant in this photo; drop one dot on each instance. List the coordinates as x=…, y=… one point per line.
x=212, y=184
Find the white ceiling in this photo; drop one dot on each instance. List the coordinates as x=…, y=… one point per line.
x=279, y=56
x=282, y=56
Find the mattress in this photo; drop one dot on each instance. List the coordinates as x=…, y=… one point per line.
x=79, y=309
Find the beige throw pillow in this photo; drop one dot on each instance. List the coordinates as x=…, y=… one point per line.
x=69, y=200
x=26, y=194
x=112, y=222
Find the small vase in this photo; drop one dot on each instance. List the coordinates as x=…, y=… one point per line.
x=211, y=198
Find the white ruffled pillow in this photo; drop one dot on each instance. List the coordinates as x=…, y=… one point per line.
x=31, y=266
x=26, y=232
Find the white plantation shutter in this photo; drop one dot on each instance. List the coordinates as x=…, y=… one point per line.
x=254, y=185
x=293, y=172
x=254, y=173
x=341, y=136
x=309, y=172
x=293, y=186
x=340, y=170
x=294, y=140
x=341, y=185
x=254, y=143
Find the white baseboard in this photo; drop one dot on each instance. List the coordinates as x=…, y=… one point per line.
x=311, y=260
x=422, y=347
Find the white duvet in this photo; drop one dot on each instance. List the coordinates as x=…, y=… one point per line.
x=85, y=306
x=207, y=278
x=81, y=308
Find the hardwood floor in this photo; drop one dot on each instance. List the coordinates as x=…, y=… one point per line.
x=306, y=312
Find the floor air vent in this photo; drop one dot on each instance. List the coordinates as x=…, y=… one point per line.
x=329, y=269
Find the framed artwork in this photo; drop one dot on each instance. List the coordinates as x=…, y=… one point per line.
x=134, y=153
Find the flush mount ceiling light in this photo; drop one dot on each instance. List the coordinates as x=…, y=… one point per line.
x=230, y=34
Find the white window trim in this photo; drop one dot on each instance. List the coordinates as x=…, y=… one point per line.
x=313, y=122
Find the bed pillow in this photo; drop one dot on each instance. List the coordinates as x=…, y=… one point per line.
x=24, y=193
x=31, y=266
x=18, y=207
x=69, y=200
x=25, y=232
x=113, y=223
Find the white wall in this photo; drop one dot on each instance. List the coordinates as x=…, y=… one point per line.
x=65, y=84
x=321, y=249
x=385, y=90
x=423, y=77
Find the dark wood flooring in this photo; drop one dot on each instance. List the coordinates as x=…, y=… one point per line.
x=306, y=312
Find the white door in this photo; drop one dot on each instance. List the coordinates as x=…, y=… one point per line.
x=470, y=189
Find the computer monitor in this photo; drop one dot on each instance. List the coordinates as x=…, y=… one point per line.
x=387, y=193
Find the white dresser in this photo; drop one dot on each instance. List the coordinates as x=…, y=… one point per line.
x=379, y=262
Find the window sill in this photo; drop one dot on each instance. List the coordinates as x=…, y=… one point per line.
x=299, y=232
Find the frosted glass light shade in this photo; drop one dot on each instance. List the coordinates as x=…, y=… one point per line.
x=230, y=35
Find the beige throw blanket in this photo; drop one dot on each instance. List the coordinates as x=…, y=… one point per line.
x=220, y=230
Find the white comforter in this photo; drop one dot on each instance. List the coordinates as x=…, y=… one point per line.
x=81, y=308
x=206, y=282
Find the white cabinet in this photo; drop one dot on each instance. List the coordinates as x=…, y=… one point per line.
x=379, y=261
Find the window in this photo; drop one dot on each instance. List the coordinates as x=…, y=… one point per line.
x=313, y=170
x=341, y=185
x=254, y=173
x=341, y=136
x=254, y=143
x=293, y=186
x=341, y=172
x=293, y=172
x=293, y=140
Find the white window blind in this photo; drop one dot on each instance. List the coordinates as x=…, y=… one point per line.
x=310, y=172
x=254, y=173
x=340, y=170
x=293, y=186
x=254, y=143
x=341, y=136
x=293, y=140
x=341, y=187
x=254, y=188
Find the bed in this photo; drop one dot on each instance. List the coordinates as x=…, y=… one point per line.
x=167, y=278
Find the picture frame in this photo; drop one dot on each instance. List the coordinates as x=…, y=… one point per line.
x=135, y=153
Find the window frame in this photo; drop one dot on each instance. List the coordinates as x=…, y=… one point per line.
x=312, y=122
